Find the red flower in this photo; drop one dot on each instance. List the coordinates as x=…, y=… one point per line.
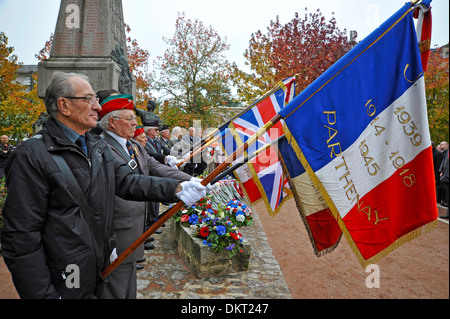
x=184, y=218
x=204, y=232
x=234, y=236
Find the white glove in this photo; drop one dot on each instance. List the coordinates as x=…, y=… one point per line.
x=171, y=161
x=219, y=150
x=198, y=180
x=191, y=192
x=185, y=156
x=113, y=255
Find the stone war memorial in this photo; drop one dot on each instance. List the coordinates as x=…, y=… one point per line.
x=89, y=38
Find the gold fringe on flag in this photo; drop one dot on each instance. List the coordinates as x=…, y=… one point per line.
x=364, y=262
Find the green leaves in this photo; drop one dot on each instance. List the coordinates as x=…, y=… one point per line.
x=193, y=74
x=19, y=108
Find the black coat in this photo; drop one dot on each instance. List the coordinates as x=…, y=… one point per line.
x=44, y=230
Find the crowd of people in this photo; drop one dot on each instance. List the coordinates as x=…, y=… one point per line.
x=84, y=188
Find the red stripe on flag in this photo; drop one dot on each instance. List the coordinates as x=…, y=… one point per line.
x=324, y=229
x=407, y=199
x=266, y=110
x=252, y=190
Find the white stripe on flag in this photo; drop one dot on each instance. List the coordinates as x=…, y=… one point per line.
x=379, y=151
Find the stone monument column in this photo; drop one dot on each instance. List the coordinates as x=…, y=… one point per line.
x=90, y=39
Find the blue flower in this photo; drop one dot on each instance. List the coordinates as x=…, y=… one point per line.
x=193, y=219
x=221, y=230
x=230, y=247
x=205, y=242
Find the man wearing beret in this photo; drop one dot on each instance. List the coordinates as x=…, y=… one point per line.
x=139, y=135
x=118, y=121
x=52, y=246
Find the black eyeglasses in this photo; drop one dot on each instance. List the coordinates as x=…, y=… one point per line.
x=129, y=119
x=91, y=98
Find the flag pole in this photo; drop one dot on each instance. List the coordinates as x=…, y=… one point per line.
x=248, y=158
x=266, y=95
x=161, y=221
x=198, y=150
x=235, y=167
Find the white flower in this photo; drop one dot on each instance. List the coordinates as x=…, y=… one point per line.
x=240, y=218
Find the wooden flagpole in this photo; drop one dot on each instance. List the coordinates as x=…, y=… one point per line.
x=165, y=217
x=248, y=158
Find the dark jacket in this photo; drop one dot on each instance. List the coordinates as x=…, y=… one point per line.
x=444, y=168
x=5, y=151
x=44, y=230
x=437, y=160
x=165, y=146
x=154, y=152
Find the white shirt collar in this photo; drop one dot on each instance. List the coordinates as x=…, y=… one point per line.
x=122, y=141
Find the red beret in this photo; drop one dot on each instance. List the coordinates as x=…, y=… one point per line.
x=116, y=102
x=139, y=131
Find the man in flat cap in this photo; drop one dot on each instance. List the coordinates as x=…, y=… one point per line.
x=53, y=245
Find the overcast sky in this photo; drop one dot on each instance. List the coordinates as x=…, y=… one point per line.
x=29, y=23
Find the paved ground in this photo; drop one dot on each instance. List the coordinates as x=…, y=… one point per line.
x=166, y=276
x=283, y=266
x=419, y=269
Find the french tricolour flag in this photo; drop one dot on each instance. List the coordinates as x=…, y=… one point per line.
x=361, y=132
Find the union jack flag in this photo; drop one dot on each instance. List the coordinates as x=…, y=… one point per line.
x=262, y=178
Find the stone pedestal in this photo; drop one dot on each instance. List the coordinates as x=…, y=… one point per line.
x=89, y=39
x=202, y=260
x=103, y=73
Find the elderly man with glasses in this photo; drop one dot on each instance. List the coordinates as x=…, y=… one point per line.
x=58, y=230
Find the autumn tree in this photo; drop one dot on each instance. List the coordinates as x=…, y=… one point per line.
x=436, y=84
x=19, y=107
x=306, y=47
x=44, y=53
x=193, y=75
x=8, y=69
